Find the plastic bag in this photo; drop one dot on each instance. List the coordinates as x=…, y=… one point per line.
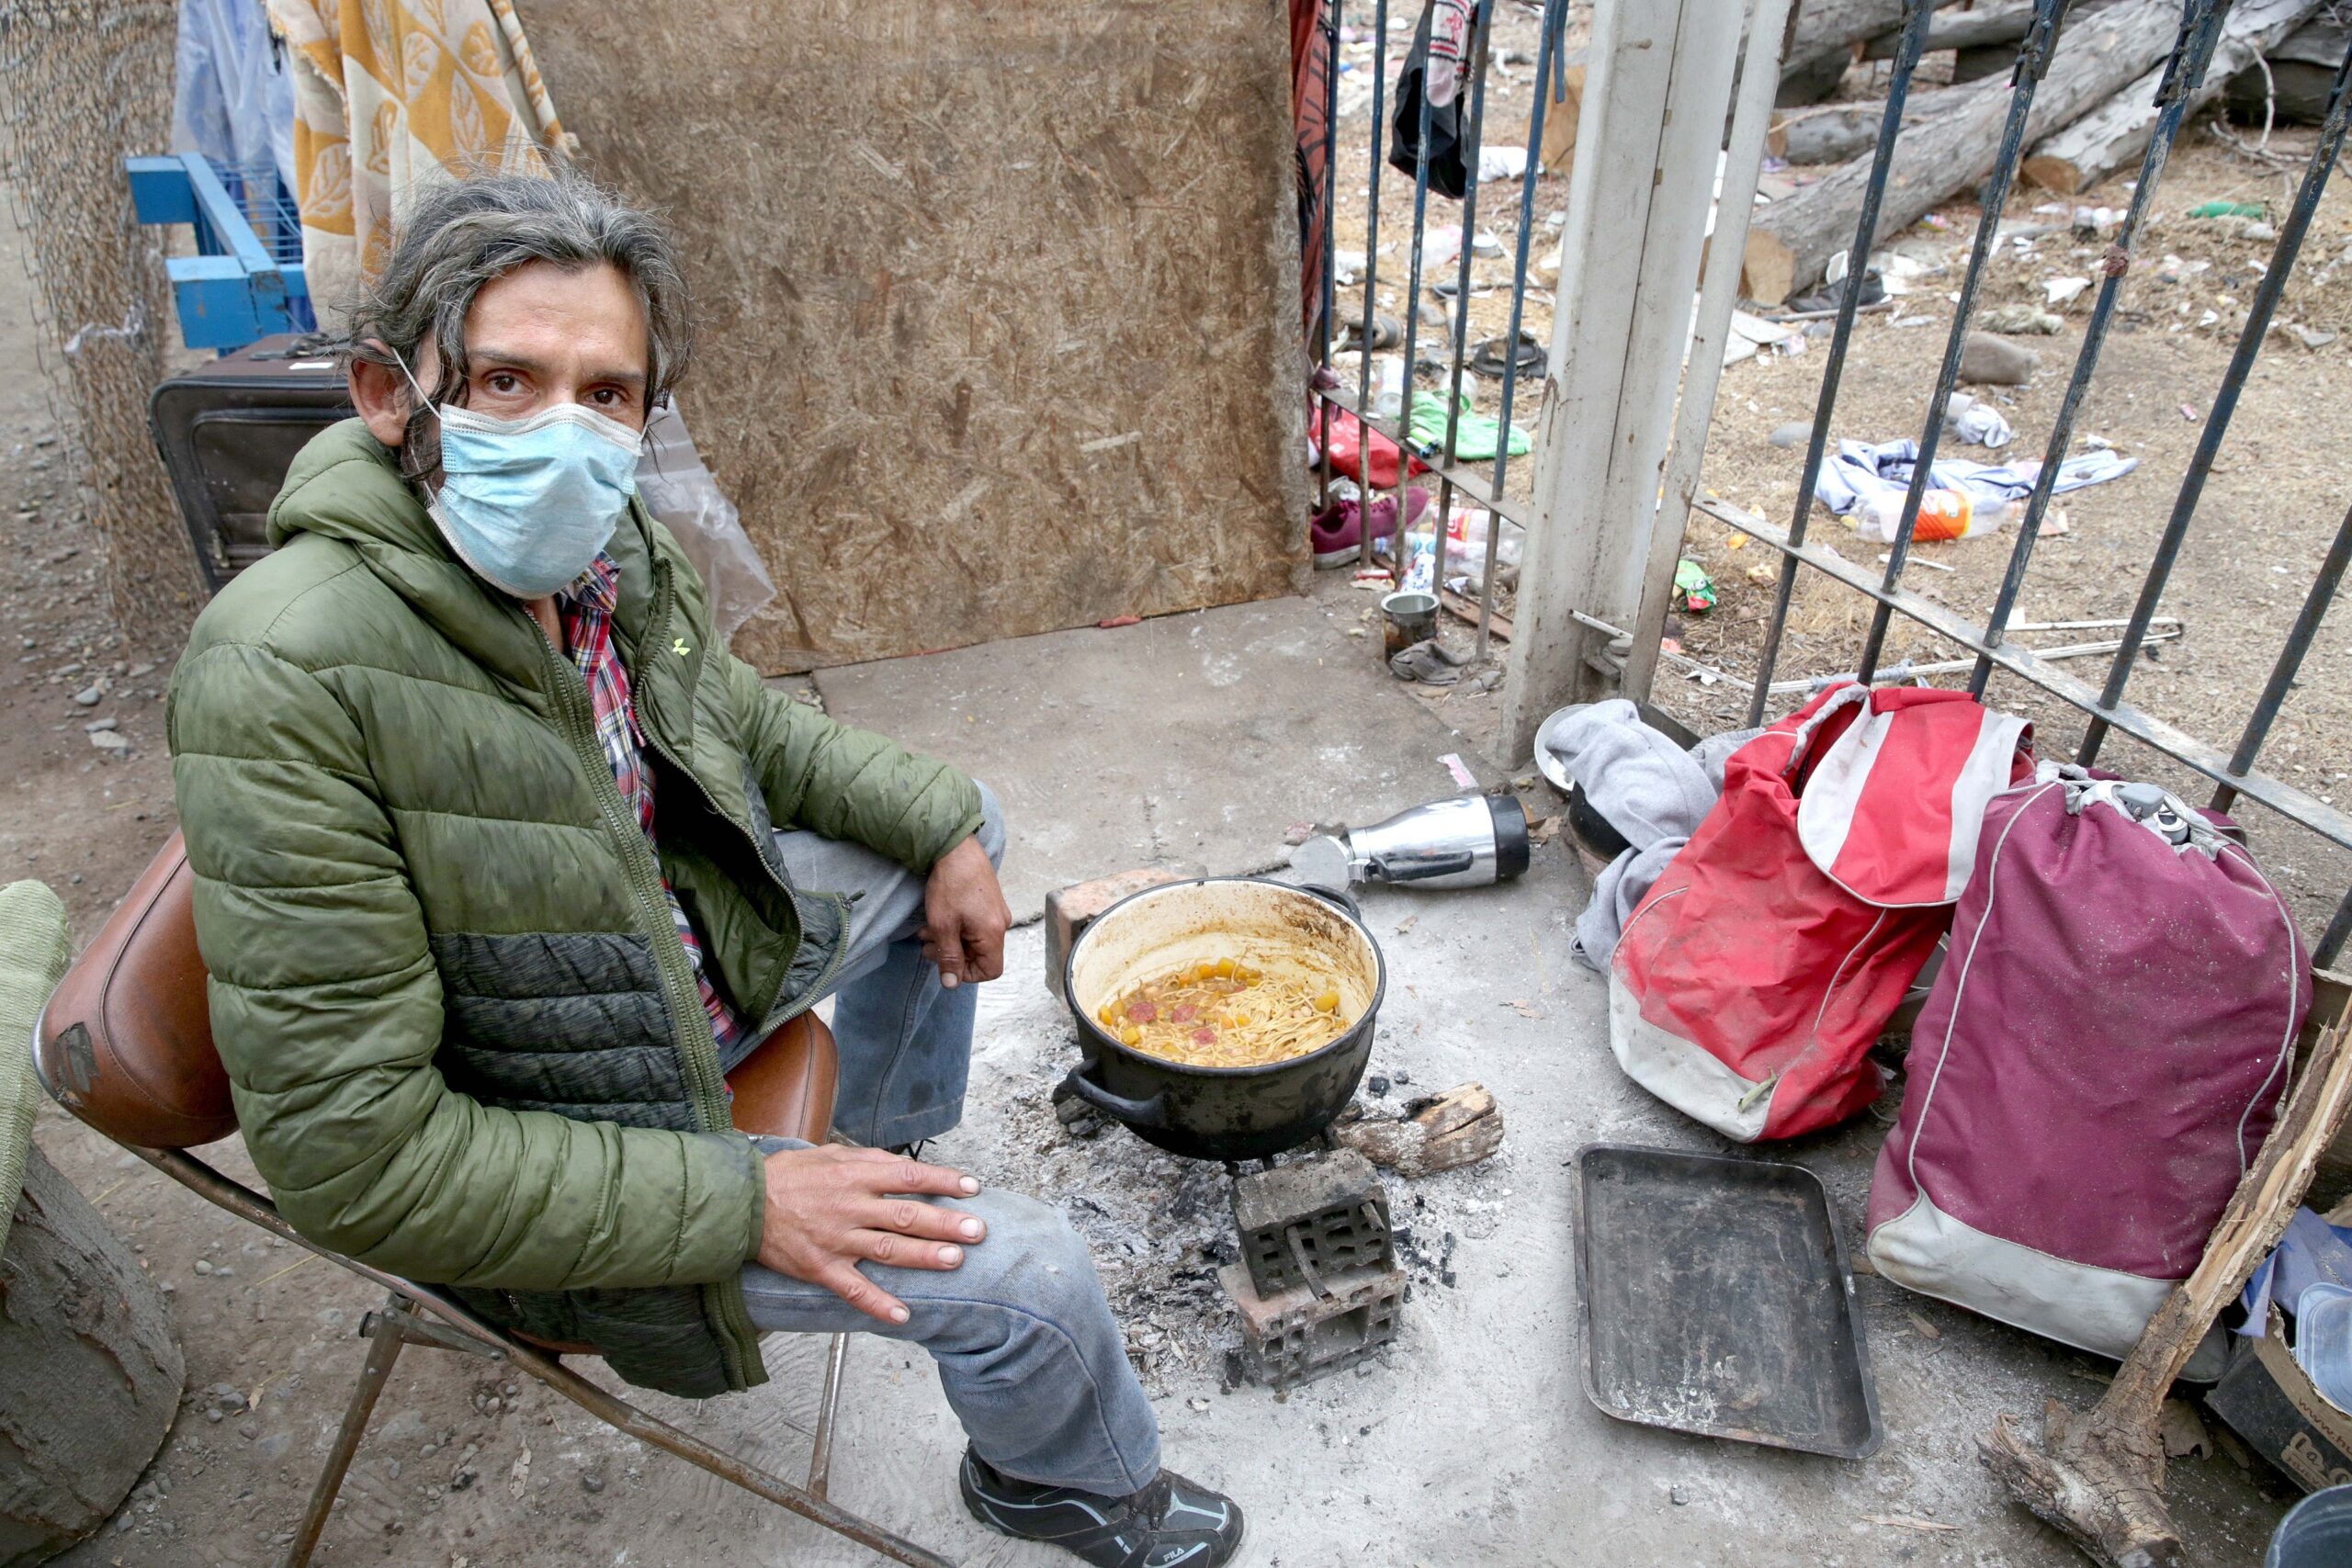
x=684, y=496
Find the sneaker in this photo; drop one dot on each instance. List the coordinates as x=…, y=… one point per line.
x=1170, y=1524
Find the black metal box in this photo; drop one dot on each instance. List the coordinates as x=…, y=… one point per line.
x=228, y=429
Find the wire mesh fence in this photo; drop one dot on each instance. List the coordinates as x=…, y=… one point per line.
x=83, y=84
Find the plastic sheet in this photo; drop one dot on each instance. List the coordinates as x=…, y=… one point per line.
x=683, y=495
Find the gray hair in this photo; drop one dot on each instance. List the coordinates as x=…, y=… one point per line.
x=462, y=235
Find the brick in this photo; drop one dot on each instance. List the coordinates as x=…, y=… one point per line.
x=1069, y=910
x=1331, y=1210
x=1296, y=1336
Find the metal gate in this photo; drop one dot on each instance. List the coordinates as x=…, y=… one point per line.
x=2234, y=768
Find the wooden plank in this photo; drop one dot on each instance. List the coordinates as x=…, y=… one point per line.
x=1638, y=202
x=998, y=304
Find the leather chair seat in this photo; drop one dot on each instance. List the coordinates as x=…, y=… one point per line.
x=125, y=1040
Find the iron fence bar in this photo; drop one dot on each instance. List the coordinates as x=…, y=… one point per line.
x=2331, y=940
x=2298, y=805
x=1916, y=14
x=1397, y=552
x=1480, y=20
x=2290, y=661
x=1371, y=280
x=2217, y=423
x=2033, y=61
x=1330, y=236
x=1547, y=50
x=2201, y=27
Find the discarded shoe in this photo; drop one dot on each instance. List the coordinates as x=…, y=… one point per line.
x=1338, y=531
x=1427, y=662
x=1171, y=1522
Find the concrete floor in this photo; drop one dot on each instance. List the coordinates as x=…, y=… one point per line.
x=1200, y=738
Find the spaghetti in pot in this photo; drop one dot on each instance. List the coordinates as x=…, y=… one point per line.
x=1226, y=1013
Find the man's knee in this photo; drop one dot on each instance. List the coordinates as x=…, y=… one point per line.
x=1031, y=1259
x=991, y=834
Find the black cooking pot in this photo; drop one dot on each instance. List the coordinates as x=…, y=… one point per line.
x=1223, y=1113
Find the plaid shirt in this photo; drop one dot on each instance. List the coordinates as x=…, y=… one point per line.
x=587, y=611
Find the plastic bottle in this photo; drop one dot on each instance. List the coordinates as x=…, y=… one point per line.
x=1943, y=514
x=1390, y=402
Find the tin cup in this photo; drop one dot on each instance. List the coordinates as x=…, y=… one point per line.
x=1407, y=616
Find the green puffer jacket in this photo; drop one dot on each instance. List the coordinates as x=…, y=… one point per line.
x=465, y=1041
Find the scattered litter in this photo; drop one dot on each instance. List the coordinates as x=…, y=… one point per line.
x=1905, y=1522
x=2189, y=413
x=2311, y=338
x=1453, y=764
x=518, y=1479
x=1408, y=923
x=1196, y=1405
x=1791, y=434
x=1506, y=162
x=1868, y=484
x=2065, y=290
x=2020, y=319
x=2225, y=209
x=1750, y=335
x=1484, y=242
x=1976, y=421
x=1884, y=557
x=2260, y=233
x=1692, y=587
x=1927, y=1330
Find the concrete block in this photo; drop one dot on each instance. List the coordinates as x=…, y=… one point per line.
x=1293, y=1336
x=1069, y=910
x=1310, y=1219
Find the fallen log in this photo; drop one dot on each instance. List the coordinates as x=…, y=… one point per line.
x=1831, y=133
x=2114, y=135
x=1790, y=243
x=2301, y=79
x=1826, y=38
x=2100, y=1477
x=1995, y=21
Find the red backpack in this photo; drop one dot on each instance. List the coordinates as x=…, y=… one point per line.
x=1752, y=980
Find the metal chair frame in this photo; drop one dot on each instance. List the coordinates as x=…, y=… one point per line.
x=415, y=1313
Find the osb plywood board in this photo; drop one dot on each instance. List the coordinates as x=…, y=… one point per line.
x=997, y=299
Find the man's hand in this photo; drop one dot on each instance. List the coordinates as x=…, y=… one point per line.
x=831, y=1208
x=964, y=916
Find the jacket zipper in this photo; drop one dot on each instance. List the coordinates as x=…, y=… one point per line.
x=664, y=600
x=690, y=1025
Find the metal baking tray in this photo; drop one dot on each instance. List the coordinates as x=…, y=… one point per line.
x=1713, y=1297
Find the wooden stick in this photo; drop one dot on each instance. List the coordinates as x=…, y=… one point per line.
x=2100, y=1477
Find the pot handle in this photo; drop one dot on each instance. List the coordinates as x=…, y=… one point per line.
x=1345, y=900
x=1152, y=1113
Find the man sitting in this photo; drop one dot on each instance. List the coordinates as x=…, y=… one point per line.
x=501, y=862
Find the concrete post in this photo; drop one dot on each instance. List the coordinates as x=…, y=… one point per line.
x=1648, y=141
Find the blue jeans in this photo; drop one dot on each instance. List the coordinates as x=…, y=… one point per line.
x=905, y=1040
x=1029, y=1354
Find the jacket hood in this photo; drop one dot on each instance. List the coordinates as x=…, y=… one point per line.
x=346, y=486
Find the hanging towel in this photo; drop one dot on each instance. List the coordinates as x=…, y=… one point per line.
x=391, y=93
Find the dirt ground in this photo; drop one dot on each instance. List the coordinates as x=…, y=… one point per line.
x=2276, y=496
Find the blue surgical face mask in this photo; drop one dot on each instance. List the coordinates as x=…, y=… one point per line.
x=528, y=502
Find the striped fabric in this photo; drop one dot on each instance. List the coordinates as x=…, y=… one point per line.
x=587, y=611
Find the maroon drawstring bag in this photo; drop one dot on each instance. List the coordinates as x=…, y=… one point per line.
x=2097, y=1064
